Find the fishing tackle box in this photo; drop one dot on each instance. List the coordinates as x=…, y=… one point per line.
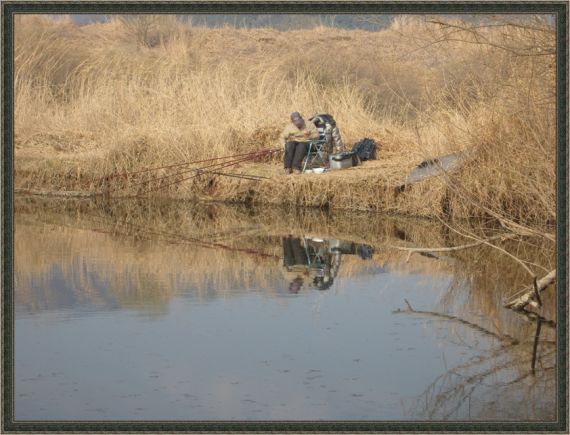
x=344, y=160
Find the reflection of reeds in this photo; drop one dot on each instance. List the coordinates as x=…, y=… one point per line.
x=140, y=254
x=130, y=88
x=143, y=254
x=147, y=249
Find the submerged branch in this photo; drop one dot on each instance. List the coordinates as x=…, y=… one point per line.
x=530, y=293
x=452, y=248
x=503, y=337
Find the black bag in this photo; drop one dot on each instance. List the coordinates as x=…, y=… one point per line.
x=365, y=148
x=365, y=251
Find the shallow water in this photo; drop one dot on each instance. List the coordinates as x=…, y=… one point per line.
x=219, y=313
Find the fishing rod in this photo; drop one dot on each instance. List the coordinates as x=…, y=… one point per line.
x=202, y=172
x=244, y=176
x=180, y=239
x=198, y=171
x=215, y=166
x=126, y=174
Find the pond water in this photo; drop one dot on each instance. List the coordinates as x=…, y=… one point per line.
x=172, y=311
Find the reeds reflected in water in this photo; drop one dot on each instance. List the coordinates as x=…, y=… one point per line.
x=142, y=255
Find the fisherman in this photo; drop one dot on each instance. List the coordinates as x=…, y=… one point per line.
x=295, y=262
x=295, y=138
x=333, y=138
x=309, y=258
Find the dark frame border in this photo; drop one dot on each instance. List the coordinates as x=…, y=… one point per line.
x=9, y=8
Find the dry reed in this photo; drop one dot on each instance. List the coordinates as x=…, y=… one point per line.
x=150, y=90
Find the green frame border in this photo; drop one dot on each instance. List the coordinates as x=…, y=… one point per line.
x=9, y=8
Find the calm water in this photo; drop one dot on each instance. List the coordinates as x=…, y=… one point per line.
x=175, y=312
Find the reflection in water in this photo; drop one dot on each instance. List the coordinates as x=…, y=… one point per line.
x=317, y=260
x=499, y=381
x=173, y=311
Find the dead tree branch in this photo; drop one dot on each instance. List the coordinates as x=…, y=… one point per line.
x=452, y=248
x=501, y=337
x=530, y=293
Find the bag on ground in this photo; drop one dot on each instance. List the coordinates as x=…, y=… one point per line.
x=365, y=148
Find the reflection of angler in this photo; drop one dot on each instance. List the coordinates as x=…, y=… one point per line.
x=317, y=257
x=309, y=257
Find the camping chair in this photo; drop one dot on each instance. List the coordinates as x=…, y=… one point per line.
x=317, y=153
x=315, y=258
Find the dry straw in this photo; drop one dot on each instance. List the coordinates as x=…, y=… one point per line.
x=150, y=90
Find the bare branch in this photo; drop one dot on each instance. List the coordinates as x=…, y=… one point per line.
x=454, y=248
x=500, y=337
x=528, y=297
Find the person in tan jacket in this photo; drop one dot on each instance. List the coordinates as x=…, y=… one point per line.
x=294, y=138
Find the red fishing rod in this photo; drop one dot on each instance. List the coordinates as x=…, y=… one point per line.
x=215, y=166
x=202, y=172
x=156, y=168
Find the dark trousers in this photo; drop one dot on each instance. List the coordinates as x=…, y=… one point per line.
x=294, y=154
x=293, y=252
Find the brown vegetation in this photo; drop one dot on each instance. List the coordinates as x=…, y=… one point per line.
x=118, y=96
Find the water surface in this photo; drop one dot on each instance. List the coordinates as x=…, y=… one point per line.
x=176, y=312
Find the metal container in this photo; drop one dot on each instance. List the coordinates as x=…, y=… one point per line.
x=341, y=246
x=343, y=160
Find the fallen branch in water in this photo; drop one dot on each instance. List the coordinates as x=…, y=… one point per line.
x=451, y=248
x=534, y=317
x=486, y=242
x=523, y=231
x=501, y=337
x=531, y=294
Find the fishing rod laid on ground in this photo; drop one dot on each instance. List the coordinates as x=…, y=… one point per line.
x=212, y=169
x=156, y=168
x=203, y=171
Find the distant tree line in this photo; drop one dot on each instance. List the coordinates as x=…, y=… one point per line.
x=280, y=22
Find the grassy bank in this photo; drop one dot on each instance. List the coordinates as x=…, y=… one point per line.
x=118, y=96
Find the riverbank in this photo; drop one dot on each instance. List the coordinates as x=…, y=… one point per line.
x=372, y=186
x=103, y=99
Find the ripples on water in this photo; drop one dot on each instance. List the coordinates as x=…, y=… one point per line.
x=178, y=312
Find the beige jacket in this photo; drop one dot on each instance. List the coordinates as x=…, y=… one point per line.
x=292, y=133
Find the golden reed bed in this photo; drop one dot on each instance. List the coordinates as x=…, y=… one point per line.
x=117, y=96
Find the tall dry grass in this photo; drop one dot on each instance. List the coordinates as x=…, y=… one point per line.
x=148, y=90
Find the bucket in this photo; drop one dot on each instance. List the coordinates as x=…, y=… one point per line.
x=343, y=160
